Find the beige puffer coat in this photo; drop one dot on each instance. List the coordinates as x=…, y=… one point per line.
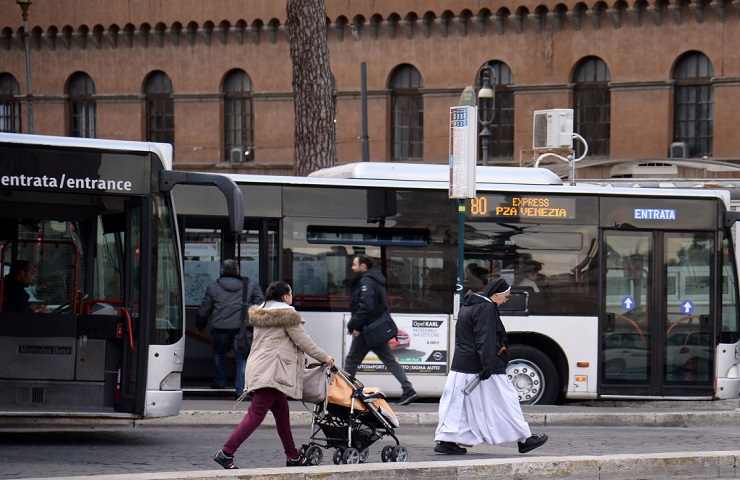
x=277, y=356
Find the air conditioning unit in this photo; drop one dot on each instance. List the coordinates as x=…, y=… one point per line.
x=679, y=150
x=239, y=154
x=553, y=129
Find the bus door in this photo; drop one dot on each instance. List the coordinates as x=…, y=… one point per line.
x=206, y=243
x=131, y=381
x=257, y=250
x=110, y=309
x=656, y=329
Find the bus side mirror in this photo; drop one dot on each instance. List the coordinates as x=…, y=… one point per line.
x=731, y=218
x=234, y=197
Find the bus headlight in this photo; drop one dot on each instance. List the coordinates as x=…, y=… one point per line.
x=733, y=372
x=171, y=381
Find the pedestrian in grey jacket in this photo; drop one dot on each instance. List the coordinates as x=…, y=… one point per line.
x=224, y=311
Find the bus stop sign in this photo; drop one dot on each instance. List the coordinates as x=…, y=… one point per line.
x=463, y=151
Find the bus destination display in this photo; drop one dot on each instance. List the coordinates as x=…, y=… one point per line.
x=523, y=206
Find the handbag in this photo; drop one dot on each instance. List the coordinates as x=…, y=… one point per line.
x=315, y=382
x=380, y=330
x=243, y=339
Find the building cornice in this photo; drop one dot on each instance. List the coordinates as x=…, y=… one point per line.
x=353, y=27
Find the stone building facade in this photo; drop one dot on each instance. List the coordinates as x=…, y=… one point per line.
x=215, y=77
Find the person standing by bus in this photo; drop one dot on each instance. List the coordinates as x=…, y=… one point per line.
x=274, y=371
x=491, y=412
x=369, y=302
x=223, y=310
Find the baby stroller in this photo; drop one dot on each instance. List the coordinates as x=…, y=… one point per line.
x=350, y=420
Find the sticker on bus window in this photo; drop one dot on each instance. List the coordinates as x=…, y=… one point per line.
x=628, y=303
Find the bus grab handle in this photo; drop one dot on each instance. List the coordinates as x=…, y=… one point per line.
x=129, y=327
x=234, y=198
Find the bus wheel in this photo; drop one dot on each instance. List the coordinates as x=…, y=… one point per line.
x=533, y=375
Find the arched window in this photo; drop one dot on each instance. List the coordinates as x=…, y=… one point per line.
x=81, y=106
x=501, y=141
x=407, y=114
x=10, y=107
x=238, y=127
x=693, y=105
x=592, y=105
x=160, y=108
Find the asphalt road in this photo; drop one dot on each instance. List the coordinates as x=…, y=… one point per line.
x=178, y=448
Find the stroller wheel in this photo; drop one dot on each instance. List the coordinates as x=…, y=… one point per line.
x=351, y=456
x=385, y=454
x=337, y=457
x=364, y=454
x=314, y=455
x=399, y=454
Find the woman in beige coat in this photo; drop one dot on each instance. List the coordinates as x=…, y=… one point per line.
x=274, y=371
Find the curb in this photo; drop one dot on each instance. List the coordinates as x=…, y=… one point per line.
x=212, y=418
x=230, y=418
x=607, y=467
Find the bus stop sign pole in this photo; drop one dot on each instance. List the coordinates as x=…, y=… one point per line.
x=463, y=159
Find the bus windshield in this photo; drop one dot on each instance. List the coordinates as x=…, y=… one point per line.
x=58, y=256
x=70, y=309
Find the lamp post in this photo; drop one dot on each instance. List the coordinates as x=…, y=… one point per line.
x=486, y=112
x=25, y=5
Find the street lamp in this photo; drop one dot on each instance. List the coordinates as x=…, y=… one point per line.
x=486, y=112
x=25, y=5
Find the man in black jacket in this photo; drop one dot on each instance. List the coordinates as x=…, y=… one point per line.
x=369, y=302
x=223, y=311
x=489, y=411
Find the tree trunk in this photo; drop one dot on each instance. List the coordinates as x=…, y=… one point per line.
x=314, y=97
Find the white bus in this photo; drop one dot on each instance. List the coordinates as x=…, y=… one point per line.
x=618, y=292
x=91, y=297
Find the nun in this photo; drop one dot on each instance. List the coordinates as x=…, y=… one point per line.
x=479, y=403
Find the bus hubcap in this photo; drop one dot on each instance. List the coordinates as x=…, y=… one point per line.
x=527, y=379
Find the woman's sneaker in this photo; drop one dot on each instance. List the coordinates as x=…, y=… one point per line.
x=536, y=440
x=299, y=461
x=226, y=461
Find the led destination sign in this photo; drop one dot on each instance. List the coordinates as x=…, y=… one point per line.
x=666, y=214
x=524, y=207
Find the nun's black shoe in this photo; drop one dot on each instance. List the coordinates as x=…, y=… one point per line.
x=536, y=440
x=449, y=448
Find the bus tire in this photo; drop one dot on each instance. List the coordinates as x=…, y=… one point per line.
x=533, y=375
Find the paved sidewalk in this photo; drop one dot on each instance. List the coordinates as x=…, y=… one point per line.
x=220, y=412
x=213, y=412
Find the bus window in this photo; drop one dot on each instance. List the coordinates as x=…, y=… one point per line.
x=249, y=255
x=53, y=250
x=420, y=280
x=689, y=257
x=393, y=227
x=168, y=312
x=108, y=260
x=320, y=274
x=730, y=331
x=555, y=266
x=202, y=262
